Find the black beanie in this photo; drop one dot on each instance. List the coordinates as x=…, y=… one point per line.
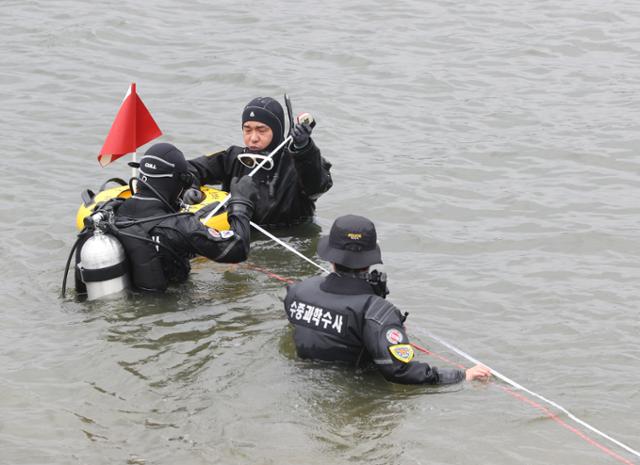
x=267, y=111
x=160, y=167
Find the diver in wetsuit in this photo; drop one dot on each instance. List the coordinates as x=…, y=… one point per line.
x=159, y=241
x=288, y=186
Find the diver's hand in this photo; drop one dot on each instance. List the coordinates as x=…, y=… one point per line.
x=478, y=372
x=301, y=133
x=244, y=188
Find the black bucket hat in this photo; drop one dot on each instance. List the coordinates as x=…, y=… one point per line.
x=352, y=243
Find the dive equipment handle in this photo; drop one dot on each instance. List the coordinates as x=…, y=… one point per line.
x=287, y=102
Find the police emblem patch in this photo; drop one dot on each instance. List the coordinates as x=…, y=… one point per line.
x=394, y=336
x=402, y=352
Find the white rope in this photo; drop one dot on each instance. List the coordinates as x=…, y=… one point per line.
x=507, y=380
x=287, y=246
x=463, y=354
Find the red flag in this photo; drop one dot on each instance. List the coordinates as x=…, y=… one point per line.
x=132, y=128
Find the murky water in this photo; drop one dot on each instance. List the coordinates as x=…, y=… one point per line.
x=495, y=145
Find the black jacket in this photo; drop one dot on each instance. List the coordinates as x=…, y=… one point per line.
x=286, y=194
x=339, y=318
x=159, y=250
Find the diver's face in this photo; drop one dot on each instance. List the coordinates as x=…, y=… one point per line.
x=256, y=136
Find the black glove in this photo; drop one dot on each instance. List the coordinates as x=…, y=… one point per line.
x=244, y=188
x=301, y=133
x=244, y=194
x=193, y=196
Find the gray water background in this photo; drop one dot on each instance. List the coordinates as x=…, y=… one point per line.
x=494, y=144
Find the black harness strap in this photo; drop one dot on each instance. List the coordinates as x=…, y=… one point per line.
x=103, y=274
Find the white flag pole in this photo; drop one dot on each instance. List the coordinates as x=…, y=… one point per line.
x=134, y=172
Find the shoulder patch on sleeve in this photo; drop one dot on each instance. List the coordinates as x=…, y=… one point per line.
x=394, y=336
x=402, y=352
x=224, y=234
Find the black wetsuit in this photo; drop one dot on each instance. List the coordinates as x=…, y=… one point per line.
x=339, y=318
x=162, y=255
x=286, y=193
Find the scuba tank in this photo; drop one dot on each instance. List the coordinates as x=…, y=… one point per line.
x=110, y=257
x=103, y=266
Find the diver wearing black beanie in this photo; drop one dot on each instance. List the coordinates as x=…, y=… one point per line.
x=288, y=185
x=267, y=111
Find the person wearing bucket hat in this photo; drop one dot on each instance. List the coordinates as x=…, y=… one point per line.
x=158, y=241
x=288, y=185
x=344, y=316
x=352, y=243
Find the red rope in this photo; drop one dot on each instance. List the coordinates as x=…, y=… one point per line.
x=441, y=357
x=271, y=274
x=540, y=407
x=564, y=424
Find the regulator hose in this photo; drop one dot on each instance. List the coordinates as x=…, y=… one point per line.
x=126, y=224
x=113, y=229
x=153, y=189
x=66, y=267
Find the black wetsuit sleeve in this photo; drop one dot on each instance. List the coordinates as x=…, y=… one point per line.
x=221, y=246
x=314, y=174
x=385, y=339
x=239, y=222
x=211, y=169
